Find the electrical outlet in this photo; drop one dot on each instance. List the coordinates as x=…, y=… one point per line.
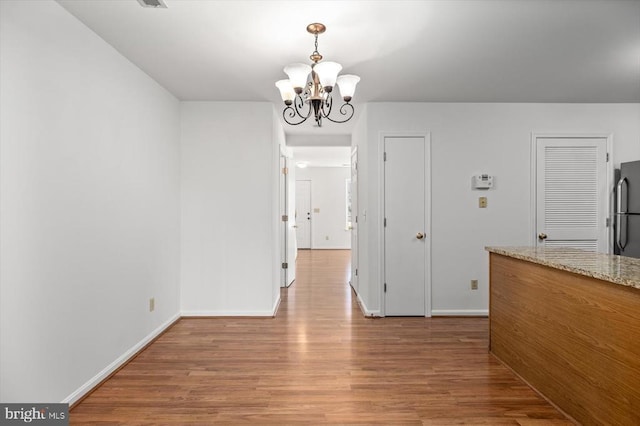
x=474, y=284
x=152, y=304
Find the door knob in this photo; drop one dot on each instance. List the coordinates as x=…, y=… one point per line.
x=419, y=235
x=542, y=236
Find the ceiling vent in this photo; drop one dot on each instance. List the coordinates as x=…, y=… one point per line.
x=152, y=3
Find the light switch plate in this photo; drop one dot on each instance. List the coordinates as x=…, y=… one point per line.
x=482, y=202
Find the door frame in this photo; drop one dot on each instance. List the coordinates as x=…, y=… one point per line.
x=287, y=230
x=534, y=175
x=355, y=248
x=427, y=210
x=283, y=204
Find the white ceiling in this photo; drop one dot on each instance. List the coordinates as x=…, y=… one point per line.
x=428, y=51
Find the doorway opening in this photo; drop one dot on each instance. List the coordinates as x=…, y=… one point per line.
x=320, y=198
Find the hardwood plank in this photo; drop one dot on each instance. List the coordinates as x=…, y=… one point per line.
x=319, y=361
x=574, y=338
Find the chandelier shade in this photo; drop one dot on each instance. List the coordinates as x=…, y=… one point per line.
x=327, y=73
x=308, y=91
x=286, y=91
x=298, y=74
x=347, y=84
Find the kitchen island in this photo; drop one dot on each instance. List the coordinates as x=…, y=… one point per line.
x=568, y=322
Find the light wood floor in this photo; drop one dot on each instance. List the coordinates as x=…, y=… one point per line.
x=318, y=362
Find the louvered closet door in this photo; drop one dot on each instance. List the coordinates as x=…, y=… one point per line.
x=571, y=193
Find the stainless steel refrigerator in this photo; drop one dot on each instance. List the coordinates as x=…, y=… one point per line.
x=627, y=209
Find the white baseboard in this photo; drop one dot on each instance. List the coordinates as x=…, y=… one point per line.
x=276, y=306
x=203, y=313
x=123, y=359
x=331, y=248
x=459, y=312
x=366, y=311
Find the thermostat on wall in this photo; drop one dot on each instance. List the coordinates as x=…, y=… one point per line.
x=482, y=182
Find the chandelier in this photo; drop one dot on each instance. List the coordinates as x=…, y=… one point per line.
x=313, y=85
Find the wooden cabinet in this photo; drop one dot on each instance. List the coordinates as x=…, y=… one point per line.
x=574, y=338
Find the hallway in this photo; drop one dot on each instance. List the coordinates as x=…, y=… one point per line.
x=318, y=362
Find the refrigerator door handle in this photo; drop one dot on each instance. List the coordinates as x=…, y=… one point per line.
x=619, y=194
x=619, y=219
x=620, y=214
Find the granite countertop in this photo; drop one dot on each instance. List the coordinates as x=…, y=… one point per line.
x=616, y=269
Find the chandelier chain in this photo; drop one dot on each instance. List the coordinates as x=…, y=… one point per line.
x=315, y=52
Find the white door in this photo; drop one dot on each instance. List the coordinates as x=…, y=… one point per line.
x=284, y=228
x=287, y=208
x=353, y=213
x=292, y=245
x=571, y=193
x=405, y=226
x=287, y=228
x=303, y=213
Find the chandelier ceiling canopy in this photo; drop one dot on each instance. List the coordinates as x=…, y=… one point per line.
x=313, y=85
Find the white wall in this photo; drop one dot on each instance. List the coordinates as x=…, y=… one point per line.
x=328, y=194
x=89, y=204
x=468, y=139
x=229, y=209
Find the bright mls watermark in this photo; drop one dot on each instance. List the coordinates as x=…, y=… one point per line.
x=37, y=414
